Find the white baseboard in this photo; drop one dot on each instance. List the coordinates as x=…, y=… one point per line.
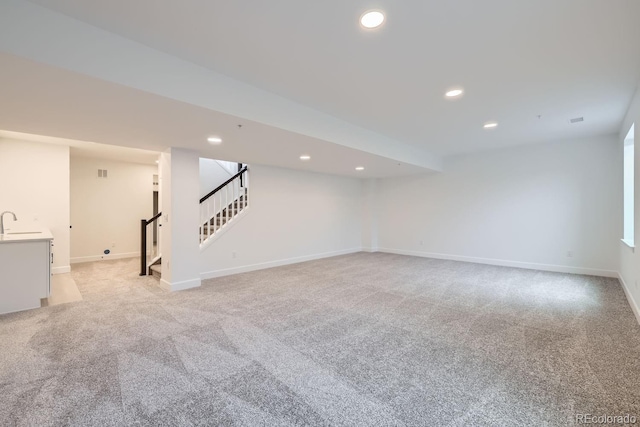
x=61, y=270
x=103, y=257
x=368, y=249
x=507, y=263
x=180, y=286
x=271, y=264
x=632, y=302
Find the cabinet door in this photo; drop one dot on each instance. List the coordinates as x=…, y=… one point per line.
x=24, y=275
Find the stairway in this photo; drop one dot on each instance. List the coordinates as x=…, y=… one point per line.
x=213, y=226
x=216, y=224
x=217, y=209
x=156, y=270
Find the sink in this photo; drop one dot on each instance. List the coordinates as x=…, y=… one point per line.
x=24, y=232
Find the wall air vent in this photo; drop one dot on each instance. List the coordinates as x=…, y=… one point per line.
x=577, y=120
x=102, y=173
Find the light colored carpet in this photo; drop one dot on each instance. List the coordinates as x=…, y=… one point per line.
x=362, y=339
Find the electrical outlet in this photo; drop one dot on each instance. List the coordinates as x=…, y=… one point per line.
x=113, y=244
x=234, y=254
x=569, y=254
x=421, y=243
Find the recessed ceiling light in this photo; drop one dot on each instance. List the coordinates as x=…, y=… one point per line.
x=157, y=161
x=454, y=93
x=360, y=168
x=372, y=19
x=305, y=157
x=214, y=139
x=490, y=125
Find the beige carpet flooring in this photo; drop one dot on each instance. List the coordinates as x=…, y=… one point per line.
x=356, y=340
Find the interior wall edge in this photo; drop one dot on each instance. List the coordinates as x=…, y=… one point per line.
x=93, y=258
x=277, y=263
x=632, y=302
x=507, y=263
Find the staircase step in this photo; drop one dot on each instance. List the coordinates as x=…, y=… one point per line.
x=156, y=271
x=227, y=214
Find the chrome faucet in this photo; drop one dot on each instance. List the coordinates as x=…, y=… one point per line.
x=2, y=220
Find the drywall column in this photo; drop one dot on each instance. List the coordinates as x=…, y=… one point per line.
x=369, y=215
x=180, y=185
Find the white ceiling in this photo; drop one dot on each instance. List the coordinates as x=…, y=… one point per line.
x=86, y=149
x=42, y=100
x=515, y=59
x=305, y=78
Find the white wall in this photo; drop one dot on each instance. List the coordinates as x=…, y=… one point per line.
x=369, y=215
x=179, y=179
x=293, y=216
x=212, y=174
x=527, y=206
x=34, y=183
x=106, y=212
x=629, y=266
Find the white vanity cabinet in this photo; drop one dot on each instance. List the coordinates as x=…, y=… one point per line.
x=25, y=270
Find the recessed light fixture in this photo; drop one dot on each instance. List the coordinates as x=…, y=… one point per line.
x=454, y=93
x=372, y=19
x=490, y=125
x=214, y=140
x=305, y=157
x=157, y=161
x=360, y=168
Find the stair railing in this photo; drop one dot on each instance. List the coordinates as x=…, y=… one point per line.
x=149, y=243
x=217, y=209
x=223, y=204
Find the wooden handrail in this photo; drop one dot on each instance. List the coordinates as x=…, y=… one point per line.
x=143, y=247
x=221, y=186
x=154, y=218
x=143, y=242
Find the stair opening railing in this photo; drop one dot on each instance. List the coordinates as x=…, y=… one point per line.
x=149, y=243
x=217, y=209
x=223, y=204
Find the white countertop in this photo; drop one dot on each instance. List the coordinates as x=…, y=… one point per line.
x=25, y=235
